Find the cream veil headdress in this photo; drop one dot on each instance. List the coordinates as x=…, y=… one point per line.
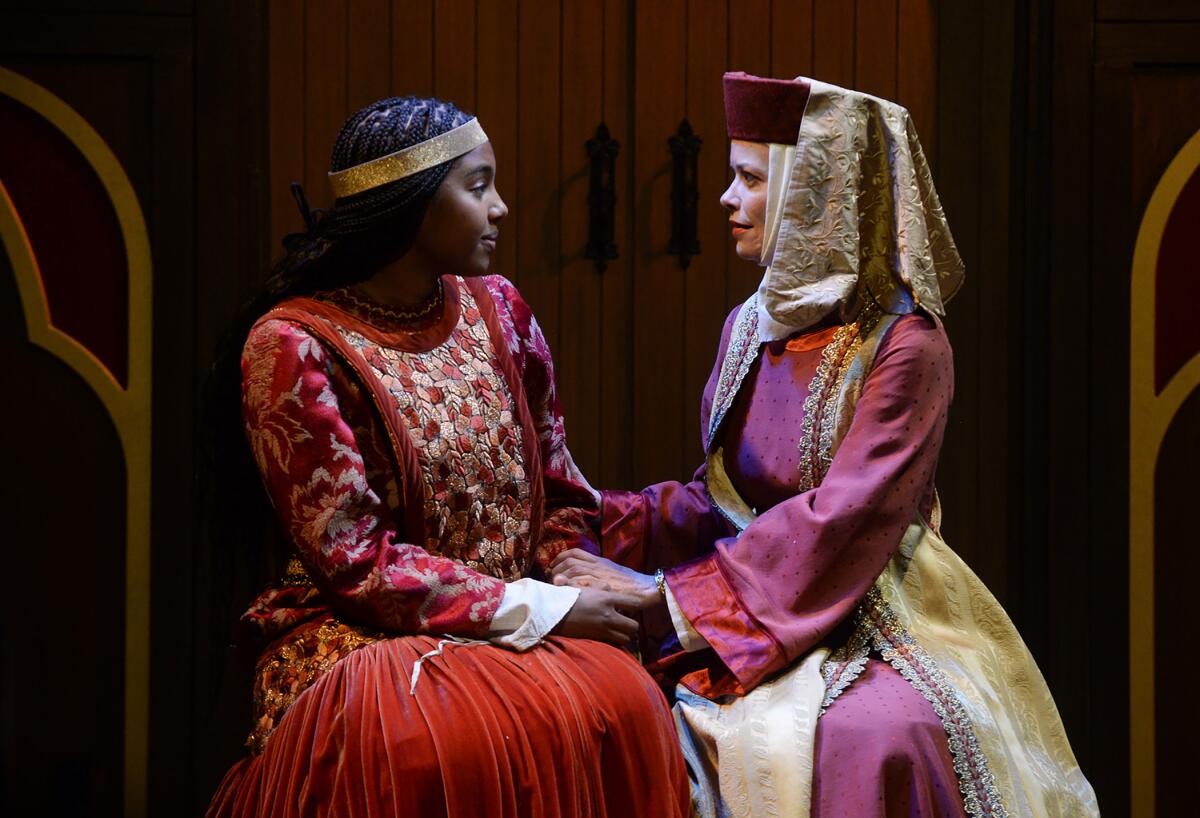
x=852, y=217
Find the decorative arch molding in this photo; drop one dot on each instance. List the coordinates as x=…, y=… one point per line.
x=1156, y=394
x=128, y=405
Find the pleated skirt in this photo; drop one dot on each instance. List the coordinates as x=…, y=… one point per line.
x=569, y=728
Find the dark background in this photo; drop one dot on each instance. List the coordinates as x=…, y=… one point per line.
x=1047, y=124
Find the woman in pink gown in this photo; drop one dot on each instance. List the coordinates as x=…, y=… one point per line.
x=812, y=672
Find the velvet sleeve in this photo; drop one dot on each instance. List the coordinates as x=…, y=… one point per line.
x=313, y=469
x=572, y=506
x=766, y=597
x=666, y=523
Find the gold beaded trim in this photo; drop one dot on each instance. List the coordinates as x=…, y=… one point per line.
x=816, y=438
x=379, y=311
x=892, y=641
x=295, y=665
x=295, y=576
x=740, y=354
x=414, y=159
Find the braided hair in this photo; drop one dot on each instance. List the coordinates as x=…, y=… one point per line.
x=340, y=246
x=363, y=232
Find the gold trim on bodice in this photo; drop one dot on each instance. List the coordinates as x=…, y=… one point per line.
x=462, y=419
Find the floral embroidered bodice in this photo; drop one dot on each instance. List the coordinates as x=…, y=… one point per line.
x=416, y=467
x=459, y=415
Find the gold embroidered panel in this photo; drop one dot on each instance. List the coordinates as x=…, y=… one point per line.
x=459, y=414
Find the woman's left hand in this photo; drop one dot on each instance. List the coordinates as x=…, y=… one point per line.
x=582, y=569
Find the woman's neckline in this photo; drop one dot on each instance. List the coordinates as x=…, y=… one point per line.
x=416, y=330
x=416, y=315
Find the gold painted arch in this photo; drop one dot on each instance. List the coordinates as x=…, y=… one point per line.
x=1150, y=415
x=129, y=407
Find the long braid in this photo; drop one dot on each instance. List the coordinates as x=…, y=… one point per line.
x=341, y=246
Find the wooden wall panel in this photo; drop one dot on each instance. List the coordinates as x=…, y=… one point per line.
x=971, y=171
x=1156, y=90
x=658, y=321
x=454, y=52
x=834, y=41
x=497, y=105
x=1100, y=437
x=792, y=39
x=285, y=115
x=1150, y=107
x=581, y=283
x=1145, y=105
x=1071, y=637
x=232, y=207
x=615, y=314
x=67, y=748
x=704, y=310
x=875, y=47
x=110, y=8
x=325, y=107
x=412, y=48
x=990, y=276
x=748, y=22
x=61, y=743
x=1128, y=10
x=368, y=51
x=1176, y=718
x=957, y=178
x=178, y=92
x=539, y=146
x=1029, y=315
x=916, y=67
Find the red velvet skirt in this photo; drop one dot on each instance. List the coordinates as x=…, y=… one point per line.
x=568, y=728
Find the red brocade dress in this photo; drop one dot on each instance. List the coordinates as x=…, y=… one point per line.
x=419, y=469
x=758, y=601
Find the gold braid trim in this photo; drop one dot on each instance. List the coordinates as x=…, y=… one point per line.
x=817, y=429
x=382, y=313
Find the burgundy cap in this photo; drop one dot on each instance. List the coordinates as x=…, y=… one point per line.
x=758, y=109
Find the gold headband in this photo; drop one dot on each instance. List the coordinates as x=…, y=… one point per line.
x=414, y=159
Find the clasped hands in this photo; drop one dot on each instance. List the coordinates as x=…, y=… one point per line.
x=609, y=593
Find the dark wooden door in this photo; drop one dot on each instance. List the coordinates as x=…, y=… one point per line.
x=633, y=343
x=115, y=680
x=1144, y=282
x=78, y=173
x=1106, y=414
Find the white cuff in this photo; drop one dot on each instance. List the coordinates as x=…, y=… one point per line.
x=528, y=612
x=689, y=638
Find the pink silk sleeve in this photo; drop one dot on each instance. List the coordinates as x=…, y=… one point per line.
x=344, y=534
x=766, y=597
x=660, y=525
x=572, y=507
x=669, y=522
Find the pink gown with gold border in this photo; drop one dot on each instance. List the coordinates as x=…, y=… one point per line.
x=792, y=580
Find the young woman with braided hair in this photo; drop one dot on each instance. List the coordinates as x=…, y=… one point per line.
x=399, y=406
